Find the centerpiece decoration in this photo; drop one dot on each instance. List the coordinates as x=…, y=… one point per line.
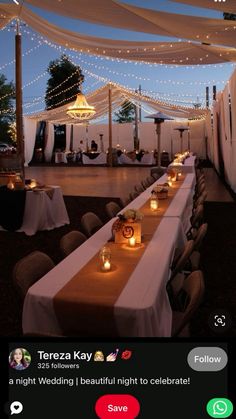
x=160, y=191
x=127, y=227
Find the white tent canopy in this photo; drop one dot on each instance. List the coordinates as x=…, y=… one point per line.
x=99, y=99
x=127, y=16
x=223, y=6
x=181, y=53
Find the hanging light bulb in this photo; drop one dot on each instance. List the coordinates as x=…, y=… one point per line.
x=81, y=109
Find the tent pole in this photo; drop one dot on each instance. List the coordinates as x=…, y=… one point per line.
x=19, y=112
x=140, y=109
x=136, y=139
x=110, y=126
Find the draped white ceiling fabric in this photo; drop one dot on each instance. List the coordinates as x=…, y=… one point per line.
x=99, y=99
x=7, y=13
x=223, y=6
x=126, y=16
x=181, y=53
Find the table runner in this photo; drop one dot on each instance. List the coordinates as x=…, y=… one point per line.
x=89, y=297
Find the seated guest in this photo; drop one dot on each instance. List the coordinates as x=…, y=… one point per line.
x=94, y=146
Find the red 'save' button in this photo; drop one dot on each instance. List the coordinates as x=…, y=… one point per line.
x=120, y=406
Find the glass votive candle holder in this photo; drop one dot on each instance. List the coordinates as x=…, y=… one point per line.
x=105, y=259
x=132, y=241
x=154, y=203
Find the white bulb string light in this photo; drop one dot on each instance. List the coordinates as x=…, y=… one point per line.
x=41, y=99
x=115, y=59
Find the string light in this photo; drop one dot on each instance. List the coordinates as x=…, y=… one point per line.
x=86, y=51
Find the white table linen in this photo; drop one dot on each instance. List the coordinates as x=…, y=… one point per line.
x=187, y=167
x=143, y=299
x=60, y=157
x=101, y=159
x=147, y=159
x=44, y=213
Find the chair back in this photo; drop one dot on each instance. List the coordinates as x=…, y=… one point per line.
x=145, y=184
x=112, y=208
x=197, y=218
x=133, y=195
x=200, y=200
x=183, y=258
x=70, y=241
x=150, y=180
x=139, y=188
x=200, y=236
x=192, y=292
x=91, y=223
x=30, y=269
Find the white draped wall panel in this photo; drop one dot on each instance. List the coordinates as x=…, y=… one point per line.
x=147, y=136
x=30, y=126
x=68, y=134
x=232, y=91
x=79, y=134
x=209, y=135
x=123, y=135
x=232, y=88
x=197, y=137
x=215, y=131
x=222, y=118
x=225, y=133
x=50, y=137
x=93, y=134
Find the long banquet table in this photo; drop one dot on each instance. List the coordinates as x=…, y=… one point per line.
x=141, y=307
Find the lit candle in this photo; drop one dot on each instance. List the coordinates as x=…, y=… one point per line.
x=106, y=265
x=132, y=241
x=154, y=204
x=170, y=182
x=105, y=259
x=10, y=185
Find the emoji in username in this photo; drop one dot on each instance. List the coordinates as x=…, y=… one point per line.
x=98, y=356
x=112, y=356
x=126, y=354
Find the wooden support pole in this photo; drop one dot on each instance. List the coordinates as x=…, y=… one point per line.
x=207, y=97
x=110, y=126
x=19, y=112
x=136, y=139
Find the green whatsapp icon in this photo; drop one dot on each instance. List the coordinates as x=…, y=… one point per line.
x=219, y=408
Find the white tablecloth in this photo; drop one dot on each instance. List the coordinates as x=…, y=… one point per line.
x=144, y=298
x=187, y=167
x=43, y=213
x=60, y=157
x=101, y=159
x=147, y=159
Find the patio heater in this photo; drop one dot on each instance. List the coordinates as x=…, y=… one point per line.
x=181, y=131
x=159, y=118
x=101, y=143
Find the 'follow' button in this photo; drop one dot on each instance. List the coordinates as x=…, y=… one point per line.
x=207, y=359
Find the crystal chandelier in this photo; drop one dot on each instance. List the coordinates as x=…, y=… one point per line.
x=81, y=109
